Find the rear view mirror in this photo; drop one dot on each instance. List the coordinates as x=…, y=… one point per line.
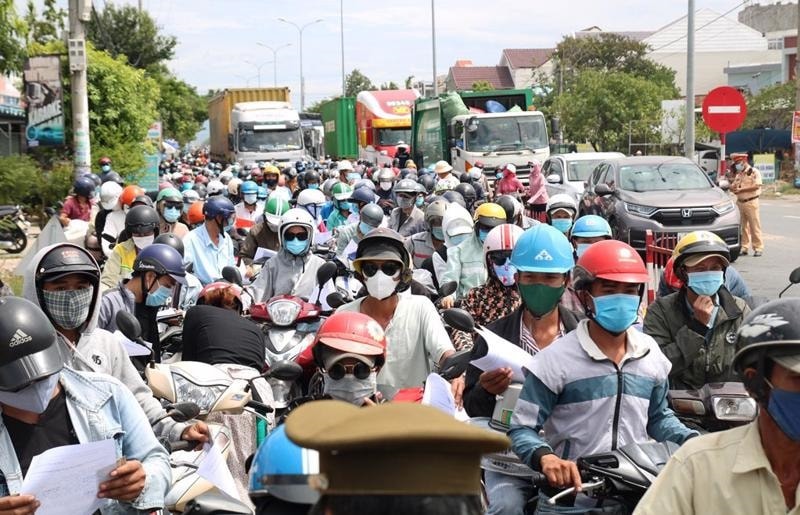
x=794, y=277
x=554, y=178
x=459, y=319
x=603, y=189
x=448, y=289
x=183, y=411
x=335, y=300
x=232, y=275
x=326, y=272
x=455, y=365
x=286, y=371
x=129, y=326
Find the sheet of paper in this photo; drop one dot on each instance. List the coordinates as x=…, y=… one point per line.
x=66, y=479
x=438, y=394
x=262, y=255
x=321, y=238
x=350, y=250
x=502, y=354
x=130, y=346
x=215, y=470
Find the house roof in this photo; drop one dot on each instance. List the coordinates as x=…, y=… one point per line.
x=527, y=57
x=714, y=33
x=465, y=76
x=637, y=35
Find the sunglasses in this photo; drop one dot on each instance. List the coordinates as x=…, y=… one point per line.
x=499, y=258
x=359, y=370
x=290, y=236
x=173, y=205
x=387, y=267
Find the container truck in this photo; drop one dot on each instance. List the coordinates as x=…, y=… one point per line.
x=492, y=127
x=339, y=124
x=255, y=124
x=383, y=119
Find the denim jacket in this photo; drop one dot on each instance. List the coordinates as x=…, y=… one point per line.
x=100, y=408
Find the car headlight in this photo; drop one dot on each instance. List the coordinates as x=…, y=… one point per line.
x=736, y=409
x=636, y=209
x=283, y=312
x=724, y=207
x=204, y=396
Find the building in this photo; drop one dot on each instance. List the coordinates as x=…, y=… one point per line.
x=778, y=23
x=464, y=75
x=12, y=119
x=526, y=65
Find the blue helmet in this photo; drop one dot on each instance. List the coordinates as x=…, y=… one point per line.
x=591, y=226
x=262, y=193
x=218, y=206
x=282, y=469
x=362, y=195
x=543, y=248
x=248, y=188
x=161, y=259
x=83, y=186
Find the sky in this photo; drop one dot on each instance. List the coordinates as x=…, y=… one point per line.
x=386, y=40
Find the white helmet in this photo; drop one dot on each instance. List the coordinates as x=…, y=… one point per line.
x=177, y=176
x=562, y=201
x=226, y=175
x=308, y=197
x=456, y=221
x=299, y=217
x=344, y=165
x=109, y=194
x=502, y=237
x=233, y=186
x=214, y=188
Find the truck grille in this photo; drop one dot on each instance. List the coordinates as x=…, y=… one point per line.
x=684, y=216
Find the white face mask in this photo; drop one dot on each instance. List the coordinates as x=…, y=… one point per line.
x=34, y=397
x=385, y=186
x=143, y=241
x=350, y=388
x=380, y=285
x=250, y=199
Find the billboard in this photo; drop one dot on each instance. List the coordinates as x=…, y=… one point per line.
x=42, y=76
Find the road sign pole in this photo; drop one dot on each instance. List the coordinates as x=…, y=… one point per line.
x=723, y=164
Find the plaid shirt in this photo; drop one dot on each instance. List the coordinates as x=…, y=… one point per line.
x=486, y=304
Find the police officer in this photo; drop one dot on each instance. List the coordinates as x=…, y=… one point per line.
x=747, y=188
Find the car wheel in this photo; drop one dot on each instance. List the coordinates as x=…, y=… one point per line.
x=735, y=254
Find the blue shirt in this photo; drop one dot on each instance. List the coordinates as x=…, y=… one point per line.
x=208, y=258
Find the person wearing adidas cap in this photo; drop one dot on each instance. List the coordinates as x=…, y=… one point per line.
x=571, y=387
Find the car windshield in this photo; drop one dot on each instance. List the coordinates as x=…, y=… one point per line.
x=508, y=133
x=580, y=170
x=661, y=177
x=269, y=140
x=393, y=136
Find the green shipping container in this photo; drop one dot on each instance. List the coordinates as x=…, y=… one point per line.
x=339, y=124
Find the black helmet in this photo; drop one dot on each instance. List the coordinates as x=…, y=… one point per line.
x=172, y=240
x=161, y=259
x=29, y=350
x=383, y=243
x=290, y=173
x=772, y=330
x=142, y=200
x=362, y=195
x=466, y=191
x=371, y=214
x=141, y=220
x=427, y=182
x=454, y=197
x=510, y=205
x=83, y=186
x=65, y=259
x=112, y=177
x=312, y=176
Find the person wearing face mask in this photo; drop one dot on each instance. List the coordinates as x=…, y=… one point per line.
x=465, y=262
x=264, y=234
x=249, y=210
x=349, y=351
x=169, y=204
x=406, y=219
x=105, y=168
x=561, y=211
x=45, y=404
x=428, y=241
x=753, y=468
x=347, y=174
x=209, y=247
x=370, y=218
x=508, y=183
x=457, y=227
x=271, y=174
x=587, y=230
x=293, y=270
x=445, y=180
x=63, y=281
x=537, y=192
x=385, y=179
x=696, y=326
x=342, y=207
x=575, y=369
x=141, y=228
x=746, y=186
x=414, y=332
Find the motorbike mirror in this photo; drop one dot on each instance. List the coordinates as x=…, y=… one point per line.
x=326, y=272
x=232, y=275
x=286, y=370
x=335, y=300
x=794, y=278
x=129, y=326
x=459, y=319
x=183, y=411
x=448, y=289
x=455, y=365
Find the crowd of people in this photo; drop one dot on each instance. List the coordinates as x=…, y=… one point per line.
x=530, y=268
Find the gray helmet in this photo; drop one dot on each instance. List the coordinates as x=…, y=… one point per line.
x=371, y=214
x=434, y=210
x=406, y=186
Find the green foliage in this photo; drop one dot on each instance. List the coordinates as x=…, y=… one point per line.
x=390, y=85
x=45, y=27
x=24, y=181
x=12, y=38
x=772, y=107
x=128, y=158
x=482, y=85
x=127, y=31
x=409, y=81
x=356, y=82
x=316, y=107
x=181, y=109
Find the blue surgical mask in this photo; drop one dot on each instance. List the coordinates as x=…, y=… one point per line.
x=313, y=186
x=706, y=283
x=346, y=206
x=505, y=273
x=106, y=168
x=458, y=239
x=784, y=408
x=353, y=177
x=438, y=233
x=364, y=228
x=171, y=214
x=186, y=208
x=616, y=313
x=404, y=202
x=482, y=234
x=229, y=226
x=419, y=202
x=562, y=224
x=295, y=246
x=581, y=248
x=159, y=297
x=498, y=175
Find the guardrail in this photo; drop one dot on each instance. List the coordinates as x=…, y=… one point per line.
x=658, y=250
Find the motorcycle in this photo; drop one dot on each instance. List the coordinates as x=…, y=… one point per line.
x=13, y=229
x=714, y=407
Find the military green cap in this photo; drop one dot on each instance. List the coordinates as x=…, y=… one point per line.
x=392, y=449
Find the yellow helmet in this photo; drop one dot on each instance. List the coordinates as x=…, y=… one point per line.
x=701, y=244
x=489, y=215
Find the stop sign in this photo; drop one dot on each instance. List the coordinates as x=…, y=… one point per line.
x=724, y=109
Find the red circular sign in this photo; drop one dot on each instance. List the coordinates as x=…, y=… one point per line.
x=724, y=109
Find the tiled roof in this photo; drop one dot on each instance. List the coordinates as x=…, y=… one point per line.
x=527, y=57
x=465, y=76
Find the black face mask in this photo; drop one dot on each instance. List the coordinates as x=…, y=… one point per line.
x=271, y=182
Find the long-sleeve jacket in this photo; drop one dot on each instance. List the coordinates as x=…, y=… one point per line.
x=260, y=236
x=465, y=266
x=286, y=274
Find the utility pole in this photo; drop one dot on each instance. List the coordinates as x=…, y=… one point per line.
x=79, y=13
x=433, y=42
x=797, y=61
x=689, y=144
x=341, y=31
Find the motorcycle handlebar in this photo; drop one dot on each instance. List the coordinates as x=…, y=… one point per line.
x=260, y=407
x=180, y=445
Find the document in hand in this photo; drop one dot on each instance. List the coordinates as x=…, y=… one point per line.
x=66, y=479
x=502, y=353
x=215, y=470
x=439, y=394
x=131, y=347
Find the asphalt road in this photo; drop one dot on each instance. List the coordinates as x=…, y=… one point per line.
x=767, y=275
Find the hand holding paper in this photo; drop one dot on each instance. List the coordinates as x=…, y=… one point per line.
x=501, y=353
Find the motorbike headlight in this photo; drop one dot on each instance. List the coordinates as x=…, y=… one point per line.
x=283, y=312
x=638, y=210
x=735, y=409
x=724, y=207
x=204, y=396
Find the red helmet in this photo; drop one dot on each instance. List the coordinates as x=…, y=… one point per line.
x=105, y=161
x=201, y=179
x=670, y=278
x=129, y=194
x=612, y=260
x=211, y=288
x=195, y=214
x=351, y=332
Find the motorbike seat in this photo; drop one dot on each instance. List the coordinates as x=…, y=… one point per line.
x=7, y=210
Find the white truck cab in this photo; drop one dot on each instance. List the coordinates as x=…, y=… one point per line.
x=266, y=131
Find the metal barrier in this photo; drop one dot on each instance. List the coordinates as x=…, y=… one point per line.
x=658, y=250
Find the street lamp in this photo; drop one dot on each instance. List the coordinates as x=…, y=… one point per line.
x=274, y=60
x=258, y=67
x=300, y=30
x=246, y=79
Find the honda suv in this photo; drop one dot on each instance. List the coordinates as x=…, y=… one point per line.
x=662, y=194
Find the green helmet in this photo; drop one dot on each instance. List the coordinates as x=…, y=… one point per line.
x=274, y=209
x=169, y=193
x=341, y=191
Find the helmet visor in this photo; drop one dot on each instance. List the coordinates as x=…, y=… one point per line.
x=25, y=370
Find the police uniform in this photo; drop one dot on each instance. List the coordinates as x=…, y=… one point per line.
x=748, y=207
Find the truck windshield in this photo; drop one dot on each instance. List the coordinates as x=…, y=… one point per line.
x=581, y=170
x=387, y=137
x=507, y=134
x=665, y=176
x=269, y=140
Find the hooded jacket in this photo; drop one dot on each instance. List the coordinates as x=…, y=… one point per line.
x=465, y=264
x=100, y=351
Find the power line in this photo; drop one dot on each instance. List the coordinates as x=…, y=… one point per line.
x=698, y=29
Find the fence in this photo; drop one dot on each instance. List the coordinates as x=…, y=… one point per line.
x=658, y=250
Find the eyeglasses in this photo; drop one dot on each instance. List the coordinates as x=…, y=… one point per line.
x=173, y=205
x=360, y=370
x=291, y=236
x=499, y=258
x=387, y=267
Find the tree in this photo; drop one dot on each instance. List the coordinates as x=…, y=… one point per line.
x=12, y=38
x=390, y=85
x=46, y=27
x=409, y=82
x=482, y=85
x=356, y=82
x=316, y=107
x=771, y=108
x=181, y=109
x=127, y=31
